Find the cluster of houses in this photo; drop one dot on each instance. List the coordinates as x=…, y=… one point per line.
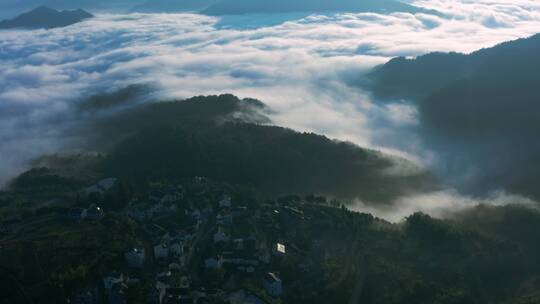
x=163, y=265
x=160, y=203
x=162, y=262
x=101, y=186
x=93, y=213
x=216, y=235
x=237, y=250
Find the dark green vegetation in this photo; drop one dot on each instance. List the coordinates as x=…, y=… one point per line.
x=237, y=7
x=59, y=173
x=482, y=255
x=125, y=97
x=44, y=17
x=421, y=77
x=221, y=137
x=425, y=260
x=482, y=108
x=48, y=257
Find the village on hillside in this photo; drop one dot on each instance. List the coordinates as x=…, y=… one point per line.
x=190, y=243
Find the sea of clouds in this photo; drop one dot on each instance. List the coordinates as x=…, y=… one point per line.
x=305, y=69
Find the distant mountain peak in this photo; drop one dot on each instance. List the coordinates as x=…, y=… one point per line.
x=46, y=17
x=43, y=9
x=239, y=7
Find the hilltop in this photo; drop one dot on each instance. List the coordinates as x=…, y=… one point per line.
x=231, y=140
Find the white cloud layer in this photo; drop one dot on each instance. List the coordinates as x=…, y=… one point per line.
x=441, y=204
x=301, y=68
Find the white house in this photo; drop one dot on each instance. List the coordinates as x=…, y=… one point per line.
x=176, y=249
x=224, y=218
x=238, y=244
x=221, y=236
x=194, y=213
x=272, y=284
x=175, y=267
x=213, y=263
x=135, y=258
x=279, y=249
x=112, y=279
x=161, y=251
x=94, y=213
x=101, y=186
x=225, y=202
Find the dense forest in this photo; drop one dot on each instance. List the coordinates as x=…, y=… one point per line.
x=225, y=138
x=485, y=254
x=479, y=109
x=422, y=76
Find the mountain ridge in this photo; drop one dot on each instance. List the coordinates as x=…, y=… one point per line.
x=390, y=80
x=232, y=140
x=238, y=7
x=479, y=111
x=45, y=17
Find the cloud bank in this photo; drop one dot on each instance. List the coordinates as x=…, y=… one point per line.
x=441, y=204
x=302, y=68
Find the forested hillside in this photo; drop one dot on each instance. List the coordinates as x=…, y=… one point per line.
x=222, y=137
x=480, y=112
